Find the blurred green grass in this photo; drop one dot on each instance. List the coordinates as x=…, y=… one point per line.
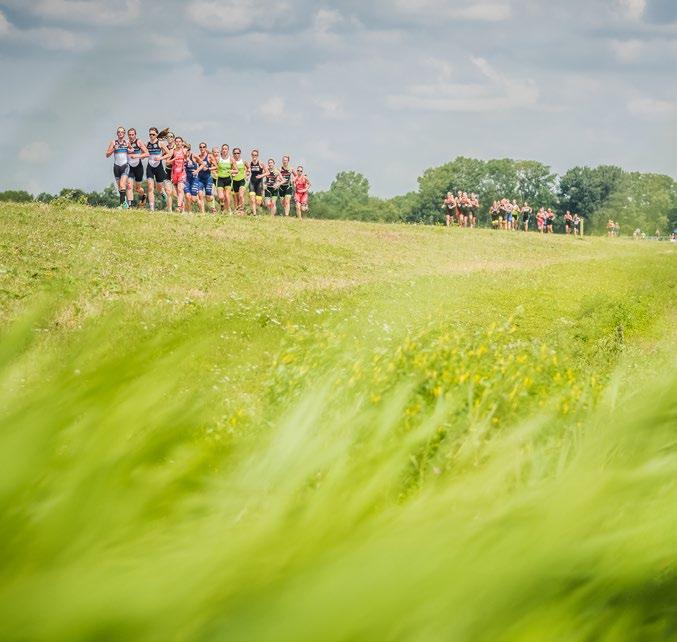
x=355, y=432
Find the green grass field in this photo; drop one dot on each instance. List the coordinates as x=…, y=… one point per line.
x=256, y=429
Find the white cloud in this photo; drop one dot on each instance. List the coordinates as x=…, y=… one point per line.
x=274, y=110
x=91, y=12
x=633, y=9
x=55, y=39
x=167, y=49
x=50, y=38
x=645, y=107
x=500, y=93
x=5, y=26
x=331, y=108
x=627, y=50
x=35, y=152
x=235, y=16
x=439, y=10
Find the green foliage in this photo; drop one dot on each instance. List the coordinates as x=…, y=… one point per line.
x=15, y=196
x=644, y=201
x=584, y=190
x=254, y=429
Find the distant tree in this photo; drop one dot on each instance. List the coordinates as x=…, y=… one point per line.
x=16, y=196
x=108, y=197
x=585, y=190
x=536, y=183
x=44, y=197
x=644, y=201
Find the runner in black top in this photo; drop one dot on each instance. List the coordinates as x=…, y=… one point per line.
x=256, y=173
x=286, y=173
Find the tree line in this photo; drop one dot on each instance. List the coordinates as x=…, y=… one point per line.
x=635, y=200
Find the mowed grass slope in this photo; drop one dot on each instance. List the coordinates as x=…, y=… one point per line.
x=271, y=429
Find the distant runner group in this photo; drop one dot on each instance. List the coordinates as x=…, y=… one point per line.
x=505, y=214
x=203, y=179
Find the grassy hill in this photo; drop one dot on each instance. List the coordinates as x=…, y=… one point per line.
x=281, y=429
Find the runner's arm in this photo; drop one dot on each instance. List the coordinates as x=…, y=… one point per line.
x=111, y=147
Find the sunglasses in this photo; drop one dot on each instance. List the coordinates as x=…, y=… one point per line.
x=203, y=146
x=152, y=134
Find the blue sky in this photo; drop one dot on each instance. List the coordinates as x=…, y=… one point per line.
x=385, y=88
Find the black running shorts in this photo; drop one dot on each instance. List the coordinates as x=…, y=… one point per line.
x=120, y=170
x=136, y=172
x=156, y=174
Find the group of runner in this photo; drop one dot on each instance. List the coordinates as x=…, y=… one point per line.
x=204, y=178
x=505, y=214
x=462, y=208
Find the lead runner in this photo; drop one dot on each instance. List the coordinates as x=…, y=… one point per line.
x=119, y=149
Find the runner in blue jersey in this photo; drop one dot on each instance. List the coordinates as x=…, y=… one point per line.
x=204, y=185
x=190, y=192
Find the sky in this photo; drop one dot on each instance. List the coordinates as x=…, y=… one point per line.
x=386, y=88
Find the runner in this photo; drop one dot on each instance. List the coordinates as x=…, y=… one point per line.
x=177, y=160
x=540, y=220
x=474, y=205
x=549, y=221
x=256, y=174
x=239, y=170
x=135, y=178
x=271, y=179
x=119, y=149
x=301, y=188
x=170, y=144
x=577, y=224
x=449, y=207
x=224, y=180
x=190, y=187
x=205, y=182
x=285, y=191
x=568, y=221
x=155, y=172
x=526, y=213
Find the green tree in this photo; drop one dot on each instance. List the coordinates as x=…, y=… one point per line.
x=585, y=190
x=644, y=201
x=16, y=196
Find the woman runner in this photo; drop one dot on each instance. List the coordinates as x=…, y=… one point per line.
x=301, y=188
x=526, y=212
x=190, y=187
x=177, y=160
x=204, y=181
x=449, y=206
x=170, y=144
x=135, y=178
x=256, y=172
x=285, y=189
x=224, y=179
x=271, y=180
x=155, y=173
x=239, y=171
x=119, y=149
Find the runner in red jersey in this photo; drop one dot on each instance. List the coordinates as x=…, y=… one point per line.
x=301, y=187
x=178, y=157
